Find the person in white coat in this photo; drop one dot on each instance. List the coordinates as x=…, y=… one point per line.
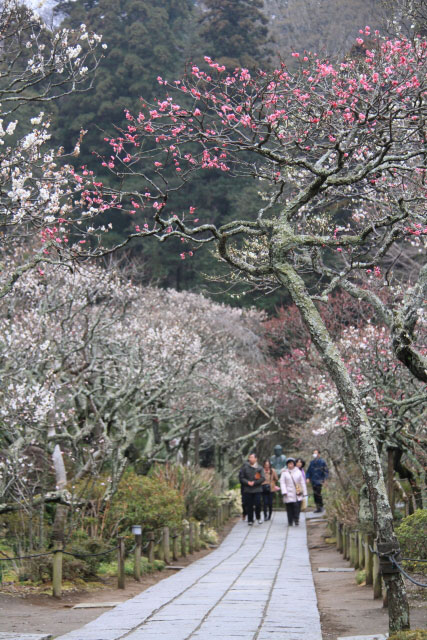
x=294, y=489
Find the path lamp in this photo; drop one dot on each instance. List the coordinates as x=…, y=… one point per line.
x=137, y=532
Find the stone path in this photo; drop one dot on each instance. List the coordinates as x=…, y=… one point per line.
x=257, y=585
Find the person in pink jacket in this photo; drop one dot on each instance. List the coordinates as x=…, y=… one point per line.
x=294, y=489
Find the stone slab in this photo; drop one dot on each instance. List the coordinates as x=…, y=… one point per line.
x=95, y=605
x=374, y=636
x=336, y=569
x=5, y=635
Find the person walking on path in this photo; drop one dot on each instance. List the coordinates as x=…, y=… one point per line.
x=294, y=489
x=252, y=477
x=268, y=488
x=300, y=463
x=317, y=473
x=242, y=494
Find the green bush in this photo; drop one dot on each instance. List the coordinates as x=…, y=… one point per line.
x=361, y=576
x=145, y=501
x=195, y=485
x=110, y=568
x=412, y=535
x=414, y=634
x=40, y=569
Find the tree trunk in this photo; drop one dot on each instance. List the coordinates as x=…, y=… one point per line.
x=405, y=473
x=367, y=451
x=197, y=447
x=390, y=478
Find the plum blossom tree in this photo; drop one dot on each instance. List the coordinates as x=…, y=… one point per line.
x=394, y=401
x=96, y=370
x=339, y=152
x=37, y=67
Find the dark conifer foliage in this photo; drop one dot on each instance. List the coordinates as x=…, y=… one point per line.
x=235, y=32
x=145, y=39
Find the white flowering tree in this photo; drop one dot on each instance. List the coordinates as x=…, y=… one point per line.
x=97, y=370
x=37, y=201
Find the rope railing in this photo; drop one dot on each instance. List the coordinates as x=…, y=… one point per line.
x=377, y=560
x=403, y=572
x=34, y=555
x=191, y=536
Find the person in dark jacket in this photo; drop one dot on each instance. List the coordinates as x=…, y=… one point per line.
x=317, y=473
x=251, y=477
x=244, y=514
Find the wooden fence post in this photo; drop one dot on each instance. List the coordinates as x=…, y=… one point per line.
x=202, y=530
x=376, y=577
x=57, y=573
x=137, y=557
x=361, y=550
x=353, y=549
x=151, y=547
x=191, y=538
x=344, y=541
x=121, y=563
x=159, y=548
x=166, y=545
x=339, y=536
x=347, y=543
x=369, y=559
x=184, y=541
x=197, y=536
x=385, y=594
x=175, y=549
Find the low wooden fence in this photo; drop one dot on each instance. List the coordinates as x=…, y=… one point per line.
x=359, y=549
x=164, y=544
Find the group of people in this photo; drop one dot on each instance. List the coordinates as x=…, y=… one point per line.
x=259, y=483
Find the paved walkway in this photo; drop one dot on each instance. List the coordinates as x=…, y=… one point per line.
x=257, y=585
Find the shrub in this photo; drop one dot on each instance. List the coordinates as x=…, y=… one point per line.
x=145, y=501
x=361, y=577
x=412, y=535
x=40, y=569
x=110, y=568
x=195, y=485
x=414, y=634
x=340, y=504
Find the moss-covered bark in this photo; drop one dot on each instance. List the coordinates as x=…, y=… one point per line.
x=367, y=450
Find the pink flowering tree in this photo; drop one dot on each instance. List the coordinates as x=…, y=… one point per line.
x=393, y=401
x=38, y=203
x=338, y=150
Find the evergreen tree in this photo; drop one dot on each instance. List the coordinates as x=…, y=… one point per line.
x=145, y=39
x=236, y=32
